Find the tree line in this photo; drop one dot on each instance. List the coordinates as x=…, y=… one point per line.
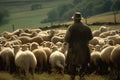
x=87, y=8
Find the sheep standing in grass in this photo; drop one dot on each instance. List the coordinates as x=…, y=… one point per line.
x=48, y=53
x=25, y=61
x=7, y=59
x=95, y=62
x=41, y=58
x=105, y=56
x=57, y=60
x=115, y=58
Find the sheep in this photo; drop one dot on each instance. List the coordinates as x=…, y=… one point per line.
x=108, y=43
x=29, y=34
x=25, y=61
x=57, y=60
x=94, y=41
x=59, y=44
x=56, y=39
x=115, y=38
x=46, y=36
x=2, y=40
x=24, y=39
x=95, y=60
x=37, y=39
x=104, y=34
x=41, y=58
x=18, y=32
x=13, y=42
x=36, y=30
x=6, y=35
x=7, y=59
x=97, y=40
x=105, y=56
x=115, y=56
x=48, y=53
x=47, y=44
x=34, y=45
x=103, y=29
x=24, y=47
x=96, y=33
x=107, y=33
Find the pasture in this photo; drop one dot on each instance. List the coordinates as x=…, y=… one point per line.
x=56, y=76
x=22, y=16
x=46, y=76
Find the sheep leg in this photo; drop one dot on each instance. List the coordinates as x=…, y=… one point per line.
x=32, y=73
x=60, y=66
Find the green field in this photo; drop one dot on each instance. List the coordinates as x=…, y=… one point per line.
x=22, y=17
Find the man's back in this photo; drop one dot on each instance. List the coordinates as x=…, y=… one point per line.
x=78, y=32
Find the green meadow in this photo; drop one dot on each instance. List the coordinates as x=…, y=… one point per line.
x=21, y=15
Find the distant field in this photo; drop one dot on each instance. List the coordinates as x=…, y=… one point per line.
x=22, y=17
x=106, y=17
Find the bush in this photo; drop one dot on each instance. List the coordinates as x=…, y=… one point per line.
x=36, y=6
x=3, y=16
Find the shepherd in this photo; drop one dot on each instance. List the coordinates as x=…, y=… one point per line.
x=77, y=36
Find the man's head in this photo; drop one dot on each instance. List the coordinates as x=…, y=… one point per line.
x=77, y=16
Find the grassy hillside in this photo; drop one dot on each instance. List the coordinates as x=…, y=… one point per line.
x=106, y=17
x=22, y=16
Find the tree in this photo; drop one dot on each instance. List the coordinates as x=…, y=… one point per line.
x=76, y=1
x=3, y=15
x=115, y=7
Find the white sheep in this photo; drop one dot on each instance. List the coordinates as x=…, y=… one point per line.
x=94, y=41
x=103, y=29
x=96, y=33
x=46, y=35
x=57, y=60
x=26, y=61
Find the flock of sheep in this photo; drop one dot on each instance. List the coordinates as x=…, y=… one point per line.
x=32, y=50
x=35, y=51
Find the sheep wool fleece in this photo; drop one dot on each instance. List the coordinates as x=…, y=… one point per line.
x=78, y=36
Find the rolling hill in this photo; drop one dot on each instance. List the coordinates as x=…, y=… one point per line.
x=22, y=16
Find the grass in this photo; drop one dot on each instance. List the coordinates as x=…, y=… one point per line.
x=22, y=17
x=104, y=18
x=101, y=18
x=53, y=76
